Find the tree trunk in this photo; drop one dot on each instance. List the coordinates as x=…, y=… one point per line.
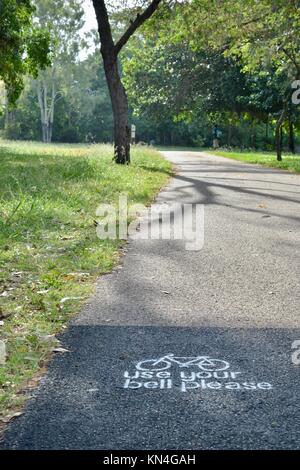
x=109, y=52
x=120, y=109
x=254, y=144
x=267, y=129
x=291, y=137
x=229, y=135
x=279, y=123
x=46, y=109
x=277, y=142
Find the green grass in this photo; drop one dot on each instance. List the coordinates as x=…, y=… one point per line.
x=289, y=162
x=49, y=247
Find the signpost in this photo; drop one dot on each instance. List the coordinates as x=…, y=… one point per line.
x=133, y=133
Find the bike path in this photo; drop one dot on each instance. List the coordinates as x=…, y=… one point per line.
x=236, y=300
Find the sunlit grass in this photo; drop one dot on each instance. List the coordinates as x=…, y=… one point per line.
x=289, y=162
x=49, y=248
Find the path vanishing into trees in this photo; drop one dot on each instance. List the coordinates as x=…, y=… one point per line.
x=236, y=301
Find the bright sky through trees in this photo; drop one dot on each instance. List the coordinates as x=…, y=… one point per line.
x=90, y=19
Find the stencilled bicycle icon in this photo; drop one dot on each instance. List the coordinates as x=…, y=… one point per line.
x=163, y=363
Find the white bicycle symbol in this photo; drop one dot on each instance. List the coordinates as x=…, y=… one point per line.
x=203, y=362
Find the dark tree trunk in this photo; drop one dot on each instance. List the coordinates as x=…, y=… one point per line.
x=278, y=143
x=254, y=144
x=229, y=135
x=291, y=137
x=267, y=129
x=109, y=52
x=120, y=109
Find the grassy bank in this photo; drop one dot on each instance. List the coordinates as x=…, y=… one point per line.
x=289, y=162
x=50, y=253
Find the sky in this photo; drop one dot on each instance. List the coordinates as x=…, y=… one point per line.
x=90, y=23
x=90, y=18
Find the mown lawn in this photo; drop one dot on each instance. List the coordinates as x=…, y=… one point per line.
x=289, y=162
x=50, y=253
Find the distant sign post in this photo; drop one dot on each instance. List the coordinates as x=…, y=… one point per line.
x=133, y=133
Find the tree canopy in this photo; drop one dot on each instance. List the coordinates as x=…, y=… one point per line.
x=24, y=48
x=190, y=66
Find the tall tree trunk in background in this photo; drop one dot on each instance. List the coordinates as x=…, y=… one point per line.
x=229, y=135
x=279, y=124
x=291, y=136
x=267, y=131
x=9, y=115
x=109, y=52
x=47, y=98
x=46, y=105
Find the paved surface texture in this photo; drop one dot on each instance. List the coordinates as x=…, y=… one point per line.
x=235, y=301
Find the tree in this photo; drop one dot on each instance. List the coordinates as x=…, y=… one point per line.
x=63, y=20
x=110, y=51
x=24, y=48
x=82, y=114
x=260, y=33
x=173, y=81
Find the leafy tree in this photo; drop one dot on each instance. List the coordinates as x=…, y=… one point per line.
x=173, y=81
x=63, y=19
x=110, y=50
x=82, y=114
x=24, y=48
x=262, y=34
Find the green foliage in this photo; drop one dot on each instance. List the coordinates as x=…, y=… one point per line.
x=194, y=65
x=263, y=33
x=63, y=19
x=225, y=63
x=82, y=112
x=23, y=47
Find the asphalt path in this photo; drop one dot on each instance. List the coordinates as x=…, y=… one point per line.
x=182, y=349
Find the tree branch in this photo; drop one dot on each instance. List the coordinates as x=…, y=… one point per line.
x=135, y=24
x=291, y=56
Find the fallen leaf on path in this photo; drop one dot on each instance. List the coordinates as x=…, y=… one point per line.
x=60, y=350
x=124, y=356
x=13, y=415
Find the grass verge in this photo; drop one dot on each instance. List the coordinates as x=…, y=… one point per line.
x=289, y=162
x=50, y=254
